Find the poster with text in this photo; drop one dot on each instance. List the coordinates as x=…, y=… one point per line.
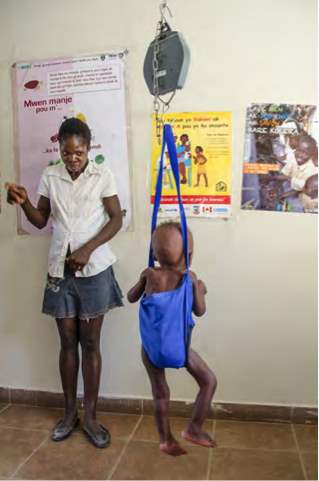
x=204, y=151
x=281, y=158
x=46, y=92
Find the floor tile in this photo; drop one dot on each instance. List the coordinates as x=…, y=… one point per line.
x=74, y=458
x=15, y=447
x=3, y=406
x=147, y=429
x=236, y=434
x=119, y=425
x=143, y=460
x=26, y=417
x=307, y=437
x=310, y=460
x=254, y=464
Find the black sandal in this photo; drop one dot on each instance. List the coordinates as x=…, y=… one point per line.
x=61, y=432
x=99, y=441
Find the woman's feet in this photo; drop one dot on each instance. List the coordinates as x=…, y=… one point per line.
x=198, y=437
x=65, y=427
x=96, y=433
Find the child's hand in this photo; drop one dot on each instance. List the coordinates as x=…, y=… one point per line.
x=16, y=194
x=201, y=286
x=198, y=283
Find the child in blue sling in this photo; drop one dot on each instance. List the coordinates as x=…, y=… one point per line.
x=169, y=294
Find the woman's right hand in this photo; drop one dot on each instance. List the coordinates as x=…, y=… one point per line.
x=16, y=194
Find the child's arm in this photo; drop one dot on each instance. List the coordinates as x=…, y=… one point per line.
x=199, y=291
x=138, y=289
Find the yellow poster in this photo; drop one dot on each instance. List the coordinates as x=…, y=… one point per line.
x=204, y=152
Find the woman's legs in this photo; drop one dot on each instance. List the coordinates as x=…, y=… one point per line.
x=90, y=332
x=69, y=365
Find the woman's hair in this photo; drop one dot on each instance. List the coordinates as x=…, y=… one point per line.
x=74, y=126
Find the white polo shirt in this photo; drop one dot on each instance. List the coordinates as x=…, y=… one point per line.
x=78, y=214
x=299, y=173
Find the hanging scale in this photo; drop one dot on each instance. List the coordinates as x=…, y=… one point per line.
x=165, y=66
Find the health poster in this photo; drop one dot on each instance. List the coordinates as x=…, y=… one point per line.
x=46, y=92
x=281, y=158
x=204, y=151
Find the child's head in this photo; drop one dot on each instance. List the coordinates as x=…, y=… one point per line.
x=305, y=149
x=199, y=149
x=311, y=186
x=75, y=139
x=167, y=244
x=184, y=138
x=293, y=141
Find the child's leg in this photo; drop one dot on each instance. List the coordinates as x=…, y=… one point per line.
x=206, y=180
x=207, y=382
x=69, y=365
x=160, y=390
x=91, y=368
x=182, y=170
x=190, y=176
x=197, y=182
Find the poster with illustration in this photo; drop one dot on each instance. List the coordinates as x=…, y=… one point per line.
x=281, y=158
x=204, y=151
x=46, y=92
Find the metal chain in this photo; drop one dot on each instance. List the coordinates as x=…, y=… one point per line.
x=160, y=106
x=156, y=101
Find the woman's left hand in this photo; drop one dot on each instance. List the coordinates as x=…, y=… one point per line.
x=78, y=259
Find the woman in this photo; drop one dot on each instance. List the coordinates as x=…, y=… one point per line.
x=82, y=200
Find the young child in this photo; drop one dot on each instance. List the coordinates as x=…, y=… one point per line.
x=201, y=161
x=309, y=195
x=167, y=245
x=300, y=166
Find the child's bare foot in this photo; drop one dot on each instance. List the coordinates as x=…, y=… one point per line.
x=201, y=438
x=173, y=448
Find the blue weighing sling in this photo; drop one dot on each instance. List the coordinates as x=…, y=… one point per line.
x=166, y=317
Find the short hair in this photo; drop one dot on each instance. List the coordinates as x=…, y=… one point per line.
x=74, y=126
x=172, y=224
x=310, y=140
x=199, y=147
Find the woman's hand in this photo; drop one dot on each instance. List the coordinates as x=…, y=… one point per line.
x=16, y=194
x=78, y=259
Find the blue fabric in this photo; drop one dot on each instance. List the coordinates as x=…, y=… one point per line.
x=166, y=317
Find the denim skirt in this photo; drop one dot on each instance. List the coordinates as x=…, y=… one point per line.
x=81, y=297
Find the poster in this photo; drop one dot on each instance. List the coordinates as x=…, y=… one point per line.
x=204, y=150
x=46, y=92
x=281, y=158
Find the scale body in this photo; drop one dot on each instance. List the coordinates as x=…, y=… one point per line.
x=173, y=59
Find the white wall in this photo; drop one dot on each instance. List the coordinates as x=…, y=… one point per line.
x=259, y=334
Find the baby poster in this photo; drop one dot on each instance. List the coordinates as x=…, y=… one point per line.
x=204, y=153
x=46, y=92
x=281, y=158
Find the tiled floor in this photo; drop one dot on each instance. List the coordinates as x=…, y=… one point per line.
x=246, y=450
